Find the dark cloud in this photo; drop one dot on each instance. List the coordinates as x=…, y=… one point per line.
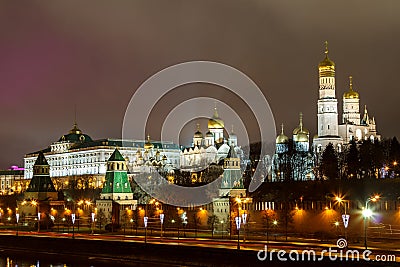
x=94, y=54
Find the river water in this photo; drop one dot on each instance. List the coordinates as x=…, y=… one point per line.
x=14, y=261
x=30, y=260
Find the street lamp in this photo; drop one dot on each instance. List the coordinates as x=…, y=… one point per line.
x=93, y=214
x=345, y=217
x=244, y=219
x=337, y=225
x=367, y=213
x=36, y=204
x=17, y=218
x=161, y=221
x=238, y=221
x=222, y=229
x=275, y=224
x=145, y=218
x=73, y=225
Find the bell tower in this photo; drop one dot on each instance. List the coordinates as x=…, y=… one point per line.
x=327, y=102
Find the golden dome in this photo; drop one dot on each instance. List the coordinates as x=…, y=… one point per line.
x=301, y=137
x=198, y=134
x=300, y=128
x=148, y=144
x=282, y=138
x=75, y=129
x=326, y=62
x=326, y=67
x=351, y=94
x=215, y=122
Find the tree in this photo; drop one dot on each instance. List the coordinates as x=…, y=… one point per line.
x=286, y=216
x=352, y=161
x=371, y=158
x=196, y=221
x=101, y=218
x=329, y=162
x=394, y=150
x=211, y=222
x=124, y=219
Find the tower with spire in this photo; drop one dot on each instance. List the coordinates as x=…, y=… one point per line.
x=327, y=106
x=351, y=105
x=353, y=127
x=41, y=187
x=116, y=195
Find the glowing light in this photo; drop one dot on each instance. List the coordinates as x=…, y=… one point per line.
x=336, y=223
x=275, y=222
x=367, y=213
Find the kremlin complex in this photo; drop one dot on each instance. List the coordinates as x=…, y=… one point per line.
x=111, y=165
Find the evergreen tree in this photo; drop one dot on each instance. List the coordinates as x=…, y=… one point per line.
x=366, y=159
x=378, y=158
x=371, y=158
x=329, y=163
x=352, y=161
x=394, y=150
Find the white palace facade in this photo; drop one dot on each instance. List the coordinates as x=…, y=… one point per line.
x=76, y=154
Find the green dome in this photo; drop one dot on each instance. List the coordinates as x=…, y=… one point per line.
x=75, y=135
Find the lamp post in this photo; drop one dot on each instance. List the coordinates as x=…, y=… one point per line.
x=275, y=224
x=366, y=214
x=267, y=218
x=238, y=221
x=36, y=204
x=161, y=222
x=73, y=225
x=93, y=221
x=345, y=217
x=145, y=218
x=244, y=220
x=222, y=229
x=17, y=218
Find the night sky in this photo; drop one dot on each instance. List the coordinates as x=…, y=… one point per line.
x=94, y=54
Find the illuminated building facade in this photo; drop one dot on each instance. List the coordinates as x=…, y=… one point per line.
x=77, y=155
x=352, y=126
x=209, y=148
x=297, y=162
x=12, y=181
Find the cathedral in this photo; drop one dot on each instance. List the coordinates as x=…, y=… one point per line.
x=209, y=148
x=295, y=158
